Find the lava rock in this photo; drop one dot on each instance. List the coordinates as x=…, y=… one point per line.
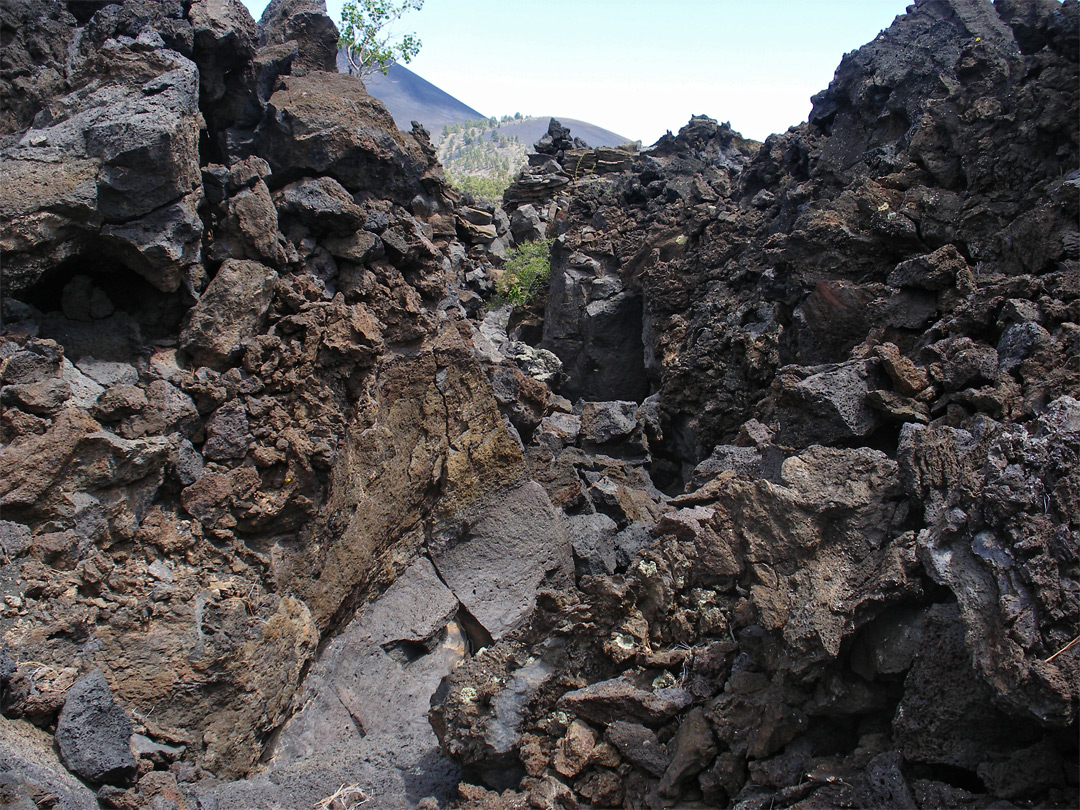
x=326, y=124
x=594, y=326
x=593, y=540
x=605, y=701
x=1019, y=341
x=629, y=541
x=323, y=205
x=228, y=432
x=231, y=312
x=602, y=422
x=94, y=733
x=939, y=270
x=908, y=379
x=638, y=745
x=574, y=749
x=898, y=408
x=525, y=224
x=559, y=430
x=692, y=750
x=495, y=571
x=108, y=373
x=540, y=364
x=15, y=539
x=883, y=784
x=121, y=161
x=306, y=23
x=84, y=390
x=826, y=404
x=118, y=402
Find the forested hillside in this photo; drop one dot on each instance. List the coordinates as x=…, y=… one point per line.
x=483, y=156
x=480, y=157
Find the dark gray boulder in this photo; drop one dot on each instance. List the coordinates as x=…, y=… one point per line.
x=321, y=204
x=93, y=733
x=639, y=745
x=525, y=224
x=305, y=23
x=593, y=540
x=363, y=706
x=692, y=749
x=225, y=47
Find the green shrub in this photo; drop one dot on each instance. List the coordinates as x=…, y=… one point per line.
x=526, y=272
x=483, y=188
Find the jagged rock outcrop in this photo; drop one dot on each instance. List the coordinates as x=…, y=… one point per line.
x=304, y=25
x=772, y=501
x=558, y=160
x=111, y=166
x=240, y=393
x=857, y=342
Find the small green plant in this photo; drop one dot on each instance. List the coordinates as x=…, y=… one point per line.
x=366, y=34
x=526, y=272
x=479, y=187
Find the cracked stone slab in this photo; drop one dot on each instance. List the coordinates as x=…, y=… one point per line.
x=363, y=716
x=496, y=570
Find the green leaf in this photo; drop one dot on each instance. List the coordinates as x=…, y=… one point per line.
x=526, y=272
x=366, y=35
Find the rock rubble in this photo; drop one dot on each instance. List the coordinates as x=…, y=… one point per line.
x=770, y=501
x=821, y=321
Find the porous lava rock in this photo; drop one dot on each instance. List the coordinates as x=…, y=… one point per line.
x=852, y=346
x=94, y=734
x=769, y=501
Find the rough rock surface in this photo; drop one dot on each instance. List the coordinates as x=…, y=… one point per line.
x=94, y=734
x=30, y=770
x=364, y=704
x=854, y=348
x=111, y=169
x=219, y=442
x=770, y=501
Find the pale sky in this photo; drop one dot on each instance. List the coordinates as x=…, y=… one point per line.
x=639, y=67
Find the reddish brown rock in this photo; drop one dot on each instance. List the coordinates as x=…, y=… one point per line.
x=608, y=701
x=907, y=378
x=575, y=749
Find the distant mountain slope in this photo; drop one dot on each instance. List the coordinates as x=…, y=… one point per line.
x=410, y=98
x=530, y=130
x=480, y=154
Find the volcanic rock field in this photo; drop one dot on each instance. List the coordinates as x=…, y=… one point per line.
x=770, y=500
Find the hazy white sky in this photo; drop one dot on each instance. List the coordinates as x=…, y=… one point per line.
x=640, y=67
